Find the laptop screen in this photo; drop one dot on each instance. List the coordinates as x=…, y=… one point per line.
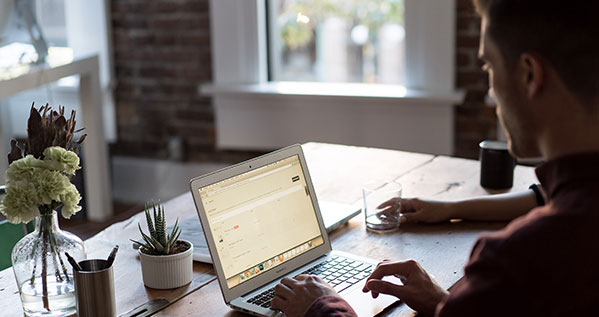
x=260, y=219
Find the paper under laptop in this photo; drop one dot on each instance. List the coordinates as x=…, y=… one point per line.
x=334, y=215
x=262, y=222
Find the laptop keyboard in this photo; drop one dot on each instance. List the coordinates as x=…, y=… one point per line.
x=339, y=272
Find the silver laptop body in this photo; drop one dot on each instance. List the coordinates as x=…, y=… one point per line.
x=262, y=222
x=334, y=215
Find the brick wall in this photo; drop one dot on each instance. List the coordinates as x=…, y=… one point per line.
x=162, y=52
x=475, y=121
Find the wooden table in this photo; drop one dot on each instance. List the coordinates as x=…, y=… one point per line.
x=337, y=172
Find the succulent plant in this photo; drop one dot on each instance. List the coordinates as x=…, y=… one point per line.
x=158, y=242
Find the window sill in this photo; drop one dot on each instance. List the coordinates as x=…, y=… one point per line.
x=333, y=90
x=270, y=116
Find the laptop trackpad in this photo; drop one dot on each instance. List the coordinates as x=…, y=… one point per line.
x=364, y=304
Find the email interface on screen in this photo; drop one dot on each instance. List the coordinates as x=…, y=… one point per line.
x=261, y=219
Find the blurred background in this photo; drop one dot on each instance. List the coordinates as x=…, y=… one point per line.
x=189, y=86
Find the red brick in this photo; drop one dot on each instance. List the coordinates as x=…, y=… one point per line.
x=464, y=59
x=191, y=115
x=157, y=72
x=471, y=79
x=464, y=5
x=126, y=6
x=180, y=21
x=474, y=120
x=467, y=22
x=468, y=41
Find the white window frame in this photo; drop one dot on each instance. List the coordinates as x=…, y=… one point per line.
x=253, y=113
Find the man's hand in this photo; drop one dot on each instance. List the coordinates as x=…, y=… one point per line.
x=294, y=296
x=419, y=290
x=417, y=210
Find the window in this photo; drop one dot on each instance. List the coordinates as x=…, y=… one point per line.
x=71, y=29
x=336, y=41
x=261, y=104
x=52, y=19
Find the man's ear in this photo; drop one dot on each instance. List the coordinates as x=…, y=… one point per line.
x=532, y=75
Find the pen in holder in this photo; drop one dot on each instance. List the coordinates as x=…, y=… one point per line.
x=94, y=285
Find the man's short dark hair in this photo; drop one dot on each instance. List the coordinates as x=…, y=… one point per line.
x=564, y=32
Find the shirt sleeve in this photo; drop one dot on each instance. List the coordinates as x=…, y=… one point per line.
x=485, y=288
x=330, y=306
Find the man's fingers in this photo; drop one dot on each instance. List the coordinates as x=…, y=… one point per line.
x=383, y=269
x=365, y=288
x=278, y=303
x=392, y=210
x=302, y=277
x=309, y=277
x=410, y=205
x=283, y=291
x=289, y=282
x=393, y=202
x=409, y=217
x=383, y=287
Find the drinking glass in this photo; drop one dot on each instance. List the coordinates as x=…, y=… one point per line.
x=382, y=205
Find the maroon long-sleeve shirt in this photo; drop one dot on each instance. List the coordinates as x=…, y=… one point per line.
x=545, y=263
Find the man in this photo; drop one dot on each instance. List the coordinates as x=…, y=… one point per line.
x=542, y=58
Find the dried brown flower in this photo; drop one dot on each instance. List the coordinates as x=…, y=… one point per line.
x=45, y=128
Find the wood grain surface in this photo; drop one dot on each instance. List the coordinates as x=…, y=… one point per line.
x=337, y=172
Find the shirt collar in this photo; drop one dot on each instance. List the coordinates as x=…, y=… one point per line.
x=556, y=173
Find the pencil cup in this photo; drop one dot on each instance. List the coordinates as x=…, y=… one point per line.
x=94, y=286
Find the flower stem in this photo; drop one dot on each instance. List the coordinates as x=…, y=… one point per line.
x=33, y=252
x=45, y=265
x=55, y=262
x=57, y=254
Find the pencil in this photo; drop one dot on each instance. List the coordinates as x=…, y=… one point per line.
x=110, y=259
x=74, y=263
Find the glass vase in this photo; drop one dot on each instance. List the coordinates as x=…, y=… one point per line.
x=42, y=271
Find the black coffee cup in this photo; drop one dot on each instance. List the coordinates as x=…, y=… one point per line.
x=496, y=165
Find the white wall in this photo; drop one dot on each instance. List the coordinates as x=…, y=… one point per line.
x=418, y=127
x=138, y=180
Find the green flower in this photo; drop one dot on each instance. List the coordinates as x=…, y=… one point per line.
x=50, y=185
x=22, y=169
x=70, y=199
x=61, y=160
x=33, y=183
x=20, y=203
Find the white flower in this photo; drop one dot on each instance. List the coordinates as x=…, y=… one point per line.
x=22, y=169
x=32, y=183
x=70, y=199
x=50, y=185
x=61, y=160
x=20, y=203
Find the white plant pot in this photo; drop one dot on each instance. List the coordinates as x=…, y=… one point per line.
x=167, y=271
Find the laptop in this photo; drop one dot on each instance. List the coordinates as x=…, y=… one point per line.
x=334, y=215
x=262, y=222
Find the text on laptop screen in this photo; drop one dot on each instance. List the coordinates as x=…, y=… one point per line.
x=261, y=218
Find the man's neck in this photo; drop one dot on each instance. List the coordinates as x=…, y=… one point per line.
x=574, y=134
